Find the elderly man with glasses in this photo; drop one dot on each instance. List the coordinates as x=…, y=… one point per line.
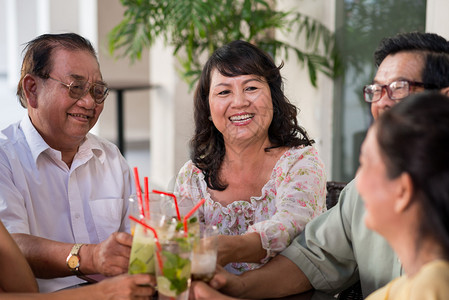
x=336, y=249
x=64, y=191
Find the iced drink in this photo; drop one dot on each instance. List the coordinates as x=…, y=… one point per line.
x=173, y=280
x=142, y=252
x=204, y=257
x=203, y=265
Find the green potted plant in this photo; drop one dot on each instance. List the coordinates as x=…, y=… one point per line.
x=198, y=27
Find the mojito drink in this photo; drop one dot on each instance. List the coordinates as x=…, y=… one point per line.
x=173, y=279
x=142, y=258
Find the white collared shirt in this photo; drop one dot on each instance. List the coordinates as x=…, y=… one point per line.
x=40, y=195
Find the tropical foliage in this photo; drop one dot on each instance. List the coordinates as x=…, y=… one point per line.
x=195, y=28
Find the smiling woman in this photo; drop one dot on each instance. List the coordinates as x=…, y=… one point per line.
x=255, y=166
x=240, y=107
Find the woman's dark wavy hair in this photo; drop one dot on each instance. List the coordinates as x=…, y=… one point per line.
x=234, y=59
x=413, y=138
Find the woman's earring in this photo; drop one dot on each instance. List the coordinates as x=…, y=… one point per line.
x=210, y=118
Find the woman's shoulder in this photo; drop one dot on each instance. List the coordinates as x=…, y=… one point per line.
x=430, y=283
x=293, y=155
x=189, y=171
x=433, y=275
x=189, y=167
x=299, y=151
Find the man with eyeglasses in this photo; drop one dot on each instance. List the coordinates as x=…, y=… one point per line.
x=336, y=249
x=64, y=191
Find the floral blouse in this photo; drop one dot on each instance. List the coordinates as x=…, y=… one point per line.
x=294, y=195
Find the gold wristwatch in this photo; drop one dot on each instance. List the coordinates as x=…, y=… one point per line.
x=73, y=260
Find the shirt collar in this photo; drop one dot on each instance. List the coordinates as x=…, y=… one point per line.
x=38, y=145
x=90, y=146
x=34, y=139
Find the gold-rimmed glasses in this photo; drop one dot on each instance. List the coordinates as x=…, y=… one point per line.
x=80, y=88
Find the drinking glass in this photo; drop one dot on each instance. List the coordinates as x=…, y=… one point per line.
x=142, y=258
x=173, y=267
x=204, y=254
x=142, y=250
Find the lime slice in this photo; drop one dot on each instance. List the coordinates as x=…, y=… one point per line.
x=137, y=267
x=163, y=287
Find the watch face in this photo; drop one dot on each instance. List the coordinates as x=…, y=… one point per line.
x=72, y=262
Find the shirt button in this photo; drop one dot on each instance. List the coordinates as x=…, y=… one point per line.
x=77, y=216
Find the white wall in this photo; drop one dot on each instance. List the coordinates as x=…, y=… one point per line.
x=437, y=20
x=315, y=104
x=171, y=118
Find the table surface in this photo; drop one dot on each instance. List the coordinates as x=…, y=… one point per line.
x=310, y=295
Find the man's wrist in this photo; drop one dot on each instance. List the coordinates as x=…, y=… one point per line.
x=73, y=260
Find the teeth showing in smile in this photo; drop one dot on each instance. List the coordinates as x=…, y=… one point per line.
x=241, y=117
x=79, y=116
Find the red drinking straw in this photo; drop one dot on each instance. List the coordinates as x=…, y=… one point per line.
x=139, y=192
x=147, y=198
x=156, y=240
x=187, y=216
x=174, y=199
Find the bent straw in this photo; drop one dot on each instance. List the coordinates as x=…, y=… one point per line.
x=187, y=216
x=174, y=199
x=139, y=192
x=147, y=198
x=156, y=240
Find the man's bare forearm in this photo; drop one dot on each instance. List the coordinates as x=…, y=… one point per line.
x=13, y=266
x=278, y=278
x=240, y=248
x=47, y=258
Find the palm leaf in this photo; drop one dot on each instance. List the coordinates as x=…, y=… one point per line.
x=197, y=27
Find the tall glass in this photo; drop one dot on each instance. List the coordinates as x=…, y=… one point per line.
x=173, y=267
x=204, y=258
x=142, y=258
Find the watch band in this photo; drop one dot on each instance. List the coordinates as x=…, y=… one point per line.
x=76, y=249
x=75, y=253
x=74, y=257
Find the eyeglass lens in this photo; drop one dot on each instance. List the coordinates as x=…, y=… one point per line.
x=79, y=89
x=396, y=90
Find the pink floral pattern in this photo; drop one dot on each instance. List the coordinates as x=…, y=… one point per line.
x=294, y=195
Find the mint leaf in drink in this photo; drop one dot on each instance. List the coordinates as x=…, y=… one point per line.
x=177, y=271
x=179, y=226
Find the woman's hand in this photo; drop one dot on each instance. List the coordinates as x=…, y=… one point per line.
x=223, y=281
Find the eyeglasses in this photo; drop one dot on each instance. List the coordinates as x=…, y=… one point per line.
x=80, y=88
x=396, y=90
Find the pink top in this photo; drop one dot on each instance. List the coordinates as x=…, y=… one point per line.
x=294, y=195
